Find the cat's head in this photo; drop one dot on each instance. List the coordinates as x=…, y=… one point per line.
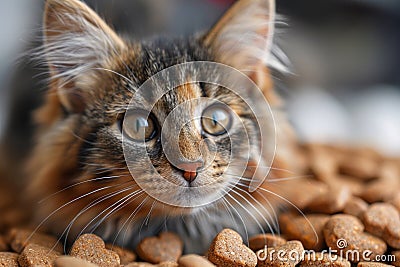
x=96, y=114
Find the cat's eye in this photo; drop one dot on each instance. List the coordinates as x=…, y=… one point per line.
x=216, y=120
x=139, y=126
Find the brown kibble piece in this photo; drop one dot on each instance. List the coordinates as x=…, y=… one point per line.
x=91, y=248
x=396, y=255
x=299, y=228
x=372, y=264
x=377, y=191
x=193, y=260
x=383, y=220
x=322, y=164
x=19, y=238
x=68, y=261
x=331, y=202
x=356, y=207
x=228, y=250
x=356, y=186
x=364, y=168
x=34, y=255
x=378, y=216
x=166, y=247
x=290, y=254
x=126, y=256
x=346, y=232
x=392, y=235
x=313, y=189
x=395, y=201
x=8, y=259
x=386, y=186
x=258, y=242
x=324, y=259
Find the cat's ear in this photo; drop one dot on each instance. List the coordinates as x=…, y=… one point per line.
x=242, y=38
x=76, y=40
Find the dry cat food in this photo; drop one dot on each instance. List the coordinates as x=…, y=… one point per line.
x=308, y=230
x=351, y=202
x=288, y=254
x=258, y=242
x=36, y=255
x=350, y=229
x=93, y=249
x=166, y=247
x=228, y=250
x=9, y=259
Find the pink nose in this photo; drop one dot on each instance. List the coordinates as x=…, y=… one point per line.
x=190, y=170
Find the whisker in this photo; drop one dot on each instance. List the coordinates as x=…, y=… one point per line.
x=230, y=213
x=288, y=178
x=79, y=183
x=116, y=73
x=262, y=167
x=294, y=206
x=235, y=210
x=271, y=180
x=129, y=220
x=251, y=214
x=120, y=206
x=108, y=208
x=275, y=215
x=275, y=226
x=91, y=205
x=66, y=204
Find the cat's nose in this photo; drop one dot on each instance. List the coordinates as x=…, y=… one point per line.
x=190, y=169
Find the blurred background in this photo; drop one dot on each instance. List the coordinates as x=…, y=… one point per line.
x=344, y=84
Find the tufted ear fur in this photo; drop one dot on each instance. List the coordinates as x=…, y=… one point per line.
x=76, y=40
x=243, y=37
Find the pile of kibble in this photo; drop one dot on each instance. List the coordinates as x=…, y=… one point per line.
x=351, y=203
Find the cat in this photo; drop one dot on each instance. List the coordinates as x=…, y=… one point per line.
x=78, y=170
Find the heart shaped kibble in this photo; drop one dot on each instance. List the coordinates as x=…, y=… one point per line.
x=166, y=247
x=383, y=220
x=346, y=233
x=228, y=250
x=91, y=248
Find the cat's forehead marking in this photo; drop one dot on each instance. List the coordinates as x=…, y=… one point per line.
x=187, y=92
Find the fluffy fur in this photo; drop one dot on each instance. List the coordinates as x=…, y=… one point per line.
x=78, y=165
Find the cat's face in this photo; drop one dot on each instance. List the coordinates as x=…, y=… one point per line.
x=103, y=134
x=183, y=142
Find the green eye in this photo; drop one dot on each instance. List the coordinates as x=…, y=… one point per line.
x=216, y=120
x=138, y=126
